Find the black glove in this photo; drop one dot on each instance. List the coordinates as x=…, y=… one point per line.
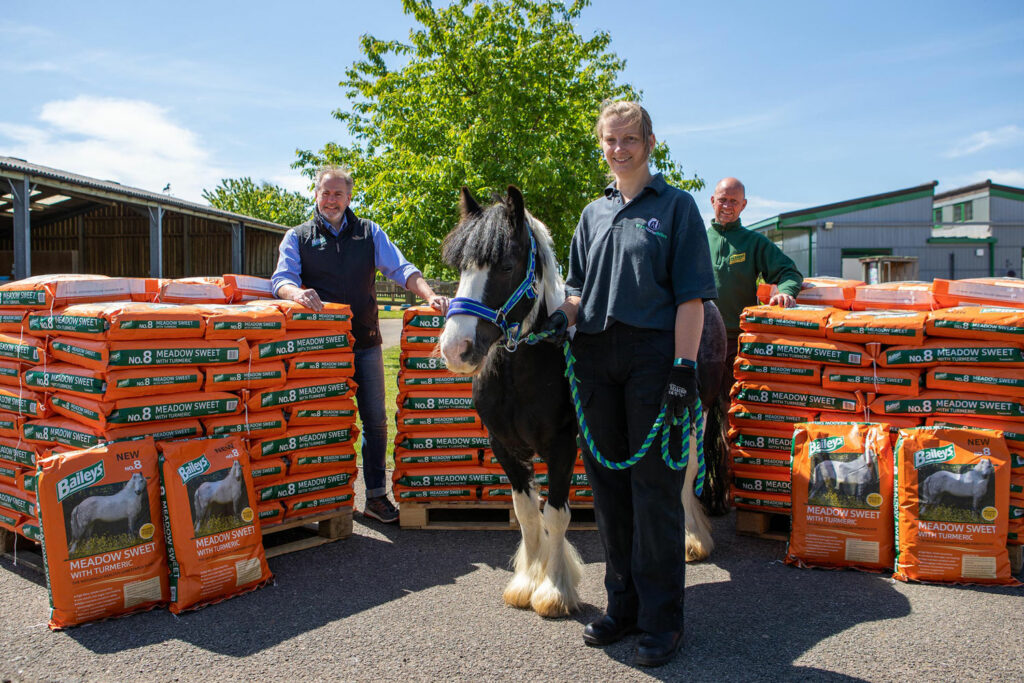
x=558, y=325
x=681, y=391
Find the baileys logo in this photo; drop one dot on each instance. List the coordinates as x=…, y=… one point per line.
x=829, y=444
x=82, y=479
x=193, y=468
x=931, y=456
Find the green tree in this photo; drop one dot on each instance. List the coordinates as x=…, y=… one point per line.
x=483, y=94
x=266, y=201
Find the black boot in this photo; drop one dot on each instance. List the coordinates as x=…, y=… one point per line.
x=655, y=649
x=607, y=630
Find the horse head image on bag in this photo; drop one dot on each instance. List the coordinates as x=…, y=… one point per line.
x=508, y=285
x=227, y=491
x=124, y=506
x=956, y=489
x=857, y=477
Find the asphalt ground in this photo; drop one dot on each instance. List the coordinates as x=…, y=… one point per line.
x=392, y=604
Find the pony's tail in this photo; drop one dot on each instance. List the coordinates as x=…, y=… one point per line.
x=716, y=458
x=699, y=543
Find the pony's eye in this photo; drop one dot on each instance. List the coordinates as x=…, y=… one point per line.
x=507, y=268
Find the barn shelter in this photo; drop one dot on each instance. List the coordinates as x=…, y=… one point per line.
x=53, y=221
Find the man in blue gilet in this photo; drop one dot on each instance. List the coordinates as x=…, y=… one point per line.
x=335, y=257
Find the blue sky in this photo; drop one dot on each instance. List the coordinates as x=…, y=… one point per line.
x=808, y=103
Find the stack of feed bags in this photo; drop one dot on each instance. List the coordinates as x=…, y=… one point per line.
x=783, y=359
x=78, y=369
x=442, y=451
x=299, y=413
x=441, y=444
x=924, y=365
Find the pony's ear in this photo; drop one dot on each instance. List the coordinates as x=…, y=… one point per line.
x=467, y=205
x=515, y=199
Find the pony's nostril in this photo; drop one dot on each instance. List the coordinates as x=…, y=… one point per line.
x=466, y=347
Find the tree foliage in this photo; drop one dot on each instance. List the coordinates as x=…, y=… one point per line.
x=483, y=94
x=265, y=201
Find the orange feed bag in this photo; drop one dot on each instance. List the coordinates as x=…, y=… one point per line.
x=801, y=396
x=994, y=323
x=885, y=327
x=907, y=295
x=953, y=506
x=873, y=379
x=253, y=323
x=842, y=496
x=336, y=365
x=948, y=403
x=953, y=351
x=245, y=376
x=334, y=411
x=771, y=370
x=103, y=540
x=301, y=391
x=807, y=350
x=333, y=317
x=980, y=380
x=772, y=417
x=823, y=291
x=801, y=320
x=996, y=291
x=213, y=535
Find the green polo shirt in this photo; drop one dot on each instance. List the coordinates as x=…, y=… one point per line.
x=738, y=257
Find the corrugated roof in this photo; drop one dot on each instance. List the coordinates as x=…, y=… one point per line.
x=847, y=206
x=984, y=185
x=105, y=188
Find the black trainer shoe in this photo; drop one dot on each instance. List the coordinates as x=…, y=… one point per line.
x=380, y=509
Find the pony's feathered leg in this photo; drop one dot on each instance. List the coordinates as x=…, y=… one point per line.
x=699, y=543
x=556, y=596
x=528, y=563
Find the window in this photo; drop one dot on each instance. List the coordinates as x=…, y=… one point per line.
x=937, y=216
x=964, y=211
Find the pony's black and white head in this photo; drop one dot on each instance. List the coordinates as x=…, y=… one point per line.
x=490, y=248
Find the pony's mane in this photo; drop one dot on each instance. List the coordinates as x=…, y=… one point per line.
x=485, y=239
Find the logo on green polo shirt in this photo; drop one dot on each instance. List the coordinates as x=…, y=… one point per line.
x=652, y=226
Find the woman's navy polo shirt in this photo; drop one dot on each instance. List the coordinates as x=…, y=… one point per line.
x=635, y=263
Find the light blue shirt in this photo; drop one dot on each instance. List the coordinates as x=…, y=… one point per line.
x=387, y=257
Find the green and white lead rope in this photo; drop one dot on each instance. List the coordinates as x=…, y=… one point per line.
x=661, y=425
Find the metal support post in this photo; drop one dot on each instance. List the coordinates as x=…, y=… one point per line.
x=156, y=241
x=22, y=235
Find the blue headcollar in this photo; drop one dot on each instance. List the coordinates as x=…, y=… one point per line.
x=462, y=305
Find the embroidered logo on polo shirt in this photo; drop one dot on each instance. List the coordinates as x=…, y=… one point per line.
x=738, y=258
x=652, y=226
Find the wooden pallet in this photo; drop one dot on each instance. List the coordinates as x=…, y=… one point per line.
x=21, y=550
x=770, y=525
x=329, y=527
x=480, y=516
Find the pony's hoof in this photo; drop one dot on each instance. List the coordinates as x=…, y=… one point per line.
x=696, y=552
x=550, y=603
x=517, y=592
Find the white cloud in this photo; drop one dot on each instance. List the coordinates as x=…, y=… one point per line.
x=133, y=142
x=1000, y=137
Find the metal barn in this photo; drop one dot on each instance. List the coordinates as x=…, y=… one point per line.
x=52, y=221
x=981, y=238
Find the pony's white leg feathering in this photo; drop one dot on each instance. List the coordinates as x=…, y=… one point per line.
x=528, y=562
x=557, y=594
x=699, y=543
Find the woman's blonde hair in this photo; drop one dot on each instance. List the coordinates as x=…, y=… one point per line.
x=629, y=113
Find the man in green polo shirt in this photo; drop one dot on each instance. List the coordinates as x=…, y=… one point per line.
x=738, y=257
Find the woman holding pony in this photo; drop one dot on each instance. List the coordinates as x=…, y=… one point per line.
x=639, y=272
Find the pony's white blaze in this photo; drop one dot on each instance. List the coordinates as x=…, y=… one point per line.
x=459, y=331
